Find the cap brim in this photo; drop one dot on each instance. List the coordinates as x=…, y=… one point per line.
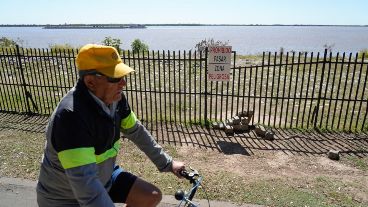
x=120, y=70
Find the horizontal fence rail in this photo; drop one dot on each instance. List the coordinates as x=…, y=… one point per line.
x=287, y=90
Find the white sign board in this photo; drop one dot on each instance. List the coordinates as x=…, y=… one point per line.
x=219, y=63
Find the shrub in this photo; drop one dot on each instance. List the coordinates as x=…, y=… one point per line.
x=201, y=46
x=55, y=48
x=6, y=42
x=137, y=45
x=365, y=52
x=108, y=41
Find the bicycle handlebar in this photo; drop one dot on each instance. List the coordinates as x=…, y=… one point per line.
x=191, y=176
x=195, y=178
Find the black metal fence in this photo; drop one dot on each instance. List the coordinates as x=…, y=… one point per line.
x=291, y=90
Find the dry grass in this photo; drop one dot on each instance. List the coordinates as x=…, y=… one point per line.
x=242, y=169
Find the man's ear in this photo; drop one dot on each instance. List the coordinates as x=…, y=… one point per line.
x=90, y=82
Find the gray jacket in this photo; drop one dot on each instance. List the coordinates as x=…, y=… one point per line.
x=82, y=142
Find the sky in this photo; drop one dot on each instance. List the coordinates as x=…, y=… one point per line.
x=321, y=12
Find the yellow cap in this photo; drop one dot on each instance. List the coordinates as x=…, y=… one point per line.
x=103, y=59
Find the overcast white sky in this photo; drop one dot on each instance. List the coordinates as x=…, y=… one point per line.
x=337, y=12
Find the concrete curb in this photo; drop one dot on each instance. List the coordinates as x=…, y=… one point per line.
x=21, y=192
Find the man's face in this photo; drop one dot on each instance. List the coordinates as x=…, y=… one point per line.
x=108, y=91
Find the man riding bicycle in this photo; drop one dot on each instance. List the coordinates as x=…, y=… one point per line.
x=83, y=140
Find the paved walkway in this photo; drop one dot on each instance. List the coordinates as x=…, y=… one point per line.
x=16, y=192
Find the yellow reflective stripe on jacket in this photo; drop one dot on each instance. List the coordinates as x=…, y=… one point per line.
x=129, y=121
x=77, y=157
x=83, y=156
x=109, y=153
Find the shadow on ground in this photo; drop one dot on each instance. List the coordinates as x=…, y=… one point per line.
x=288, y=141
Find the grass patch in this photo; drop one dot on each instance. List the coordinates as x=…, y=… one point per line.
x=21, y=153
x=360, y=163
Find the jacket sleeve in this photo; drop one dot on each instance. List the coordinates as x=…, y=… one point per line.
x=86, y=186
x=141, y=137
x=72, y=141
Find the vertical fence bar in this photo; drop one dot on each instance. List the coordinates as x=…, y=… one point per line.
x=267, y=83
x=200, y=86
x=185, y=87
x=250, y=86
x=181, y=86
x=211, y=94
x=307, y=89
x=238, y=94
x=24, y=84
x=233, y=88
x=33, y=81
x=12, y=84
x=197, y=118
x=59, y=65
x=156, y=90
x=278, y=89
x=164, y=85
x=362, y=99
x=320, y=89
x=301, y=90
x=338, y=89
x=3, y=90
x=174, y=87
x=314, y=87
x=55, y=86
x=129, y=87
x=170, y=87
x=350, y=92
x=255, y=94
x=272, y=96
x=44, y=78
x=190, y=87
x=244, y=82
x=150, y=88
x=326, y=87
x=289, y=91
x=160, y=86
x=260, y=91
x=205, y=88
x=343, y=95
x=145, y=85
x=332, y=90
x=295, y=89
x=356, y=95
x=283, y=90
x=227, y=100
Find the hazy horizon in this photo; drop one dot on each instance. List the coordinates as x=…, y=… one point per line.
x=245, y=12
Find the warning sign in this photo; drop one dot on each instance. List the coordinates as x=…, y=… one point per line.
x=219, y=63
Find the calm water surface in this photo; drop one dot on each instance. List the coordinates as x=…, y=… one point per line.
x=244, y=39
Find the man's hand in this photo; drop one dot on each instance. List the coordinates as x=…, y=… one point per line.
x=177, y=167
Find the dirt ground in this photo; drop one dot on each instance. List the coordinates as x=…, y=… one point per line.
x=293, y=154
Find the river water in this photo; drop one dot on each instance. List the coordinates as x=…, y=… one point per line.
x=243, y=39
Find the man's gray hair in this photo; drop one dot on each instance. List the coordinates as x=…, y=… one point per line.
x=83, y=73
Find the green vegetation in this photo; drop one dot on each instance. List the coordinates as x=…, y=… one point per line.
x=365, y=52
x=6, y=42
x=201, y=46
x=137, y=45
x=114, y=42
x=360, y=163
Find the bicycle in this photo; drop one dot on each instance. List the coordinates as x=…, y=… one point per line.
x=185, y=197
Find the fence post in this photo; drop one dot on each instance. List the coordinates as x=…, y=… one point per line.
x=205, y=89
x=26, y=94
x=315, y=113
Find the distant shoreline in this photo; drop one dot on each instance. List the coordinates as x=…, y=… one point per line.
x=142, y=26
